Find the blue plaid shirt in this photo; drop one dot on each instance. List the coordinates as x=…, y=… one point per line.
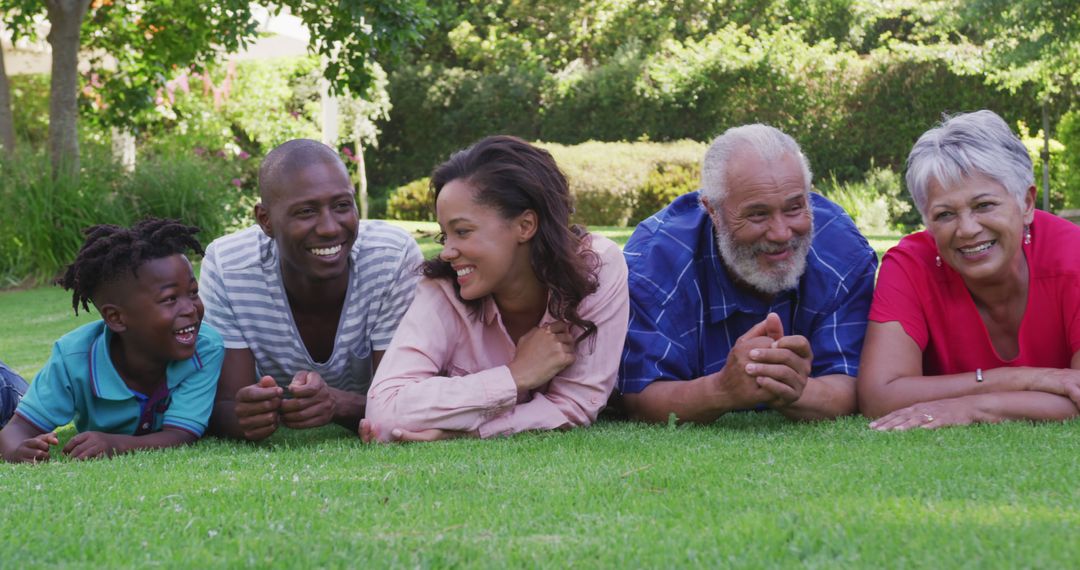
x=686, y=314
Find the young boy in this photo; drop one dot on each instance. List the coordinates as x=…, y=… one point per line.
x=142, y=377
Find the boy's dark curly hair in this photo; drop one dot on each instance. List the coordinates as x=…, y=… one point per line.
x=111, y=250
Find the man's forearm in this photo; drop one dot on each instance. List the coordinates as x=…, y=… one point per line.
x=823, y=398
x=348, y=408
x=223, y=421
x=695, y=401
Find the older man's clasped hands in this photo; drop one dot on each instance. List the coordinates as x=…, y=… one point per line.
x=765, y=368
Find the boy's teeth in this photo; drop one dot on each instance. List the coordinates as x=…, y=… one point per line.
x=326, y=250
x=186, y=330
x=465, y=271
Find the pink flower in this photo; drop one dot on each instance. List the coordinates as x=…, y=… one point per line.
x=237, y=182
x=243, y=155
x=200, y=151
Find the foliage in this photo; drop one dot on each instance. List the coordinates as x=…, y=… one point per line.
x=668, y=181
x=412, y=202
x=438, y=110
x=351, y=35
x=1060, y=193
x=877, y=204
x=606, y=178
x=1068, y=163
x=134, y=47
x=43, y=216
x=1030, y=43
x=846, y=110
x=613, y=184
x=30, y=108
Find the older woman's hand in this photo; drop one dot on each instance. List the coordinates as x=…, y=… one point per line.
x=1063, y=382
x=929, y=415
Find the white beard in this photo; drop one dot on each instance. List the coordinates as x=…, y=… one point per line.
x=742, y=260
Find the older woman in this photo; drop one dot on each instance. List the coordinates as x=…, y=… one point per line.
x=976, y=319
x=519, y=322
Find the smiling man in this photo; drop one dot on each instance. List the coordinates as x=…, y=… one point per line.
x=307, y=300
x=750, y=293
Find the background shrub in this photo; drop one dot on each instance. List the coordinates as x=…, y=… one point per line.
x=848, y=110
x=44, y=217
x=667, y=182
x=1068, y=132
x=612, y=183
x=412, y=201
x=877, y=203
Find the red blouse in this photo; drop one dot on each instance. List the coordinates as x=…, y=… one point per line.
x=937, y=311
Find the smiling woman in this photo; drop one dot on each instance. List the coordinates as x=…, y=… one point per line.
x=520, y=319
x=976, y=319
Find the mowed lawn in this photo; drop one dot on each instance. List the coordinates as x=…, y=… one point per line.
x=752, y=490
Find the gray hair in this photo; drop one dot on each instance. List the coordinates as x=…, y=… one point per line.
x=966, y=145
x=768, y=142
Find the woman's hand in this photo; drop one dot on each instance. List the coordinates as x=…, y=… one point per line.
x=1063, y=382
x=542, y=353
x=369, y=434
x=928, y=415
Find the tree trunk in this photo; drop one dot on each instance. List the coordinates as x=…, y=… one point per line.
x=65, y=19
x=1046, y=159
x=361, y=180
x=7, y=122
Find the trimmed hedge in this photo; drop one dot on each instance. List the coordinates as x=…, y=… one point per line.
x=614, y=184
x=848, y=111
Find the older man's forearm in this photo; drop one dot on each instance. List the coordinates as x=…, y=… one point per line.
x=823, y=398
x=696, y=401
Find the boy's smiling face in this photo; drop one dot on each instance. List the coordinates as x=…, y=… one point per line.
x=159, y=312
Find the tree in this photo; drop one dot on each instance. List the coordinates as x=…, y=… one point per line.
x=149, y=40
x=7, y=123
x=1032, y=44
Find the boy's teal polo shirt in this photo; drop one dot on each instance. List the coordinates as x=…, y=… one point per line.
x=80, y=383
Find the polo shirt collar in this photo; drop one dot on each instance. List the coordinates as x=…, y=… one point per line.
x=105, y=380
x=723, y=296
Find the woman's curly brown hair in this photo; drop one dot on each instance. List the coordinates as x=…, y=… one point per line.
x=512, y=176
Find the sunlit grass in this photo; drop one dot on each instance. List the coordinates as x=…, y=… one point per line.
x=752, y=490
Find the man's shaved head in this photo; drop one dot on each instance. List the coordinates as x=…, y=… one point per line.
x=289, y=157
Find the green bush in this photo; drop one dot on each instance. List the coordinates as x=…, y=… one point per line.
x=1067, y=163
x=606, y=178
x=412, y=202
x=438, y=110
x=612, y=183
x=667, y=182
x=877, y=203
x=44, y=218
x=847, y=110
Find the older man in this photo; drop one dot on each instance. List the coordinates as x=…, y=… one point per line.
x=307, y=300
x=751, y=293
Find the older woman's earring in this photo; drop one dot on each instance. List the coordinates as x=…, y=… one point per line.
x=1027, y=235
x=937, y=260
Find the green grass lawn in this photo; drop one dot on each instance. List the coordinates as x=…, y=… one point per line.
x=752, y=490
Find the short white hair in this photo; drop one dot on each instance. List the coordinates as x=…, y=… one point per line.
x=770, y=143
x=966, y=145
